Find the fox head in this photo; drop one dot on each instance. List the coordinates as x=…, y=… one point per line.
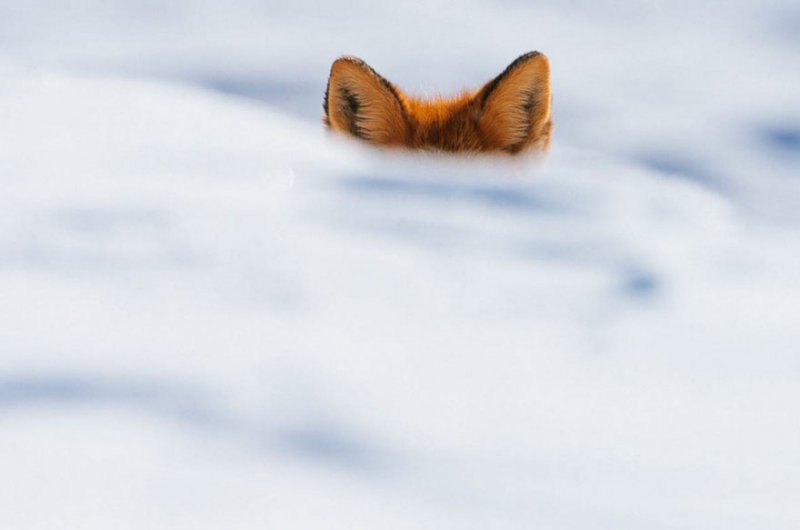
x=510, y=113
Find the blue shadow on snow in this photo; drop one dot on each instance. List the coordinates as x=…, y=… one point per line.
x=319, y=442
x=681, y=167
x=783, y=139
x=492, y=196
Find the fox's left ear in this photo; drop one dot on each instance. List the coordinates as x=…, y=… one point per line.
x=359, y=102
x=515, y=106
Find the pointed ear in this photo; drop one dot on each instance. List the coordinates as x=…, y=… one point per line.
x=360, y=102
x=515, y=106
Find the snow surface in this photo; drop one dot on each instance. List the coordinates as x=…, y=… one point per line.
x=215, y=315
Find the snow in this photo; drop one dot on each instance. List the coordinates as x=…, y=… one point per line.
x=215, y=315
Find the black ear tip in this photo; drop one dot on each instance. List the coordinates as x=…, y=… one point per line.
x=350, y=59
x=525, y=57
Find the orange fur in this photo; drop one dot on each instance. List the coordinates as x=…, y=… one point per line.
x=509, y=114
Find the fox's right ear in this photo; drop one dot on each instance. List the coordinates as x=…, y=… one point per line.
x=515, y=106
x=360, y=102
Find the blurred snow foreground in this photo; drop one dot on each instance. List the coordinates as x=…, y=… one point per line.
x=214, y=315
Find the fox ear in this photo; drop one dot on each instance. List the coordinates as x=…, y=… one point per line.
x=360, y=102
x=515, y=106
